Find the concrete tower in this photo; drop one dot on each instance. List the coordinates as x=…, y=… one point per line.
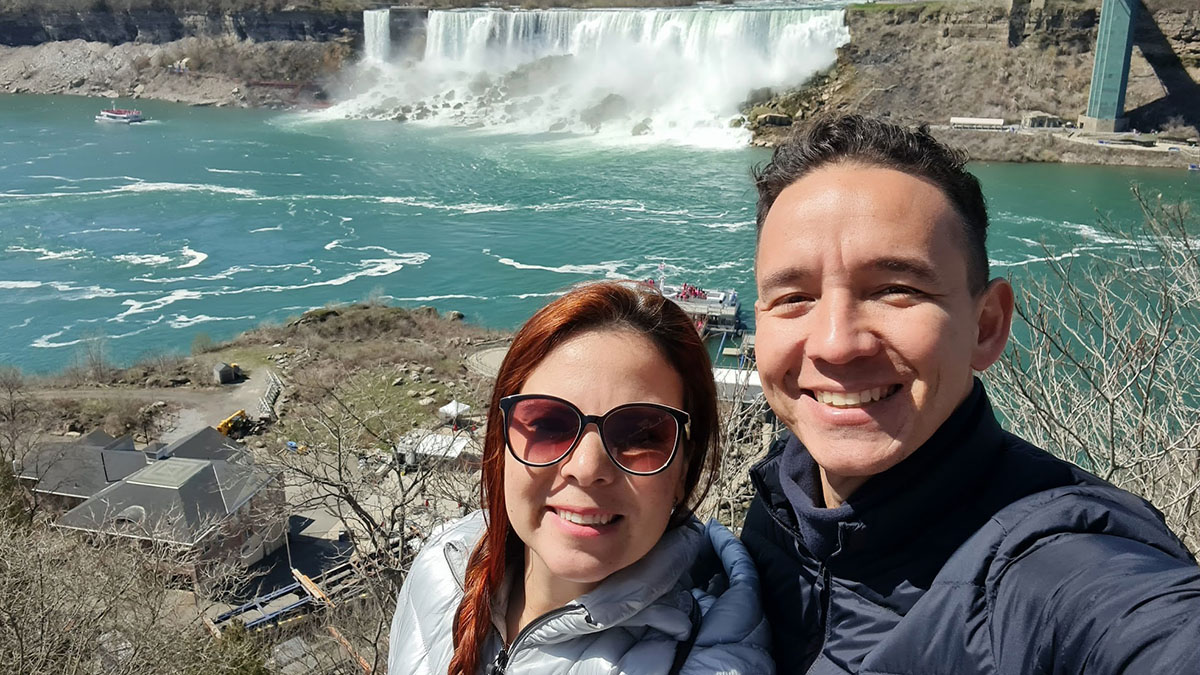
x=1110, y=73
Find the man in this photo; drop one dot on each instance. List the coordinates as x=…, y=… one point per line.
x=900, y=529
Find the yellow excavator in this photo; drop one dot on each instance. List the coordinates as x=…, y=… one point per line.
x=235, y=425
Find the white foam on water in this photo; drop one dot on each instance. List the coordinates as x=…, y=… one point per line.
x=138, y=187
x=47, y=254
x=70, y=292
x=252, y=172
x=16, y=285
x=431, y=298
x=731, y=227
x=277, y=228
x=1034, y=260
x=187, y=187
x=108, y=229
x=584, y=72
x=194, y=258
x=147, y=259
x=185, y=321
x=44, y=342
x=139, y=307
x=469, y=207
x=26, y=322
x=367, y=268
x=82, y=180
x=227, y=273
x=608, y=269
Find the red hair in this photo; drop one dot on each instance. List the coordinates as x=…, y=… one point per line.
x=603, y=305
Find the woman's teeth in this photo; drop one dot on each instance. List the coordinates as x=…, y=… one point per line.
x=580, y=519
x=852, y=399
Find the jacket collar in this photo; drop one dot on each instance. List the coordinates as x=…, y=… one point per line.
x=889, y=507
x=635, y=596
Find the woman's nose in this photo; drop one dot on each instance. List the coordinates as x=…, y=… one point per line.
x=588, y=463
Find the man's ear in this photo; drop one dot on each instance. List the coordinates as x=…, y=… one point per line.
x=995, y=310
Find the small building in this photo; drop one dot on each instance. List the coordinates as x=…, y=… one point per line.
x=460, y=450
x=981, y=123
x=225, y=373
x=1036, y=119
x=737, y=384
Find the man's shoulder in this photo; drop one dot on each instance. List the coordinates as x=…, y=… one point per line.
x=1068, y=514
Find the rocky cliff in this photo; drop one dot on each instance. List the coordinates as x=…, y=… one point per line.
x=164, y=25
x=926, y=62
x=181, y=55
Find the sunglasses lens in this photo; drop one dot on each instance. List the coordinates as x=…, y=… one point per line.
x=641, y=438
x=540, y=431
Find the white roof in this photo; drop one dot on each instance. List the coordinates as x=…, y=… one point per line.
x=993, y=121
x=441, y=445
x=732, y=382
x=453, y=409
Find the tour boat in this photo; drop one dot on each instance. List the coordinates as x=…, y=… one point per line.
x=712, y=311
x=120, y=115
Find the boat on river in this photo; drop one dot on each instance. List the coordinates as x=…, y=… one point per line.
x=115, y=115
x=714, y=312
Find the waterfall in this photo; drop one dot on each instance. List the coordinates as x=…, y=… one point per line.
x=377, y=35
x=667, y=74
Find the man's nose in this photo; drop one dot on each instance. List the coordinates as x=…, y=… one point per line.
x=588, y=463
x=838, y=331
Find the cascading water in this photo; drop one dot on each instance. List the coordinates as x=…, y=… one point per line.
x=662, y=74
x=377, y=35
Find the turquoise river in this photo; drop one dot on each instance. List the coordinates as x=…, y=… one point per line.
x=211, y=220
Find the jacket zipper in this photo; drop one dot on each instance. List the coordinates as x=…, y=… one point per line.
x=500, y=663
x=826, y=605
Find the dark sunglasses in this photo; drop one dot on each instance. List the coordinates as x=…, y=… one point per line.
x=640, y=438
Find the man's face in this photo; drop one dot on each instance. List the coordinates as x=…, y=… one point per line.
x=868, y=332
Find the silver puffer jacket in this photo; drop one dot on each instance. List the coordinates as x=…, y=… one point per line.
x=631, y=624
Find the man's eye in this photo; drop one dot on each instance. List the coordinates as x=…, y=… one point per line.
x=900, y=290
x=793, y=299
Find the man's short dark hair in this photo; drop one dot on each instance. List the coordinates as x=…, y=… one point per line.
x=872, y=142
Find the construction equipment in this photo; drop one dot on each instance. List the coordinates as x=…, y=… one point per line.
x=236, y=425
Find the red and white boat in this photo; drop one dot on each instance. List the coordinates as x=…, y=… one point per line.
x=120, y=115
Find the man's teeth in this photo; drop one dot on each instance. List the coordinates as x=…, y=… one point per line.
x=839, y=399
x=580, y=519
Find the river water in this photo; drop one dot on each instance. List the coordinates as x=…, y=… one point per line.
x=211, y=221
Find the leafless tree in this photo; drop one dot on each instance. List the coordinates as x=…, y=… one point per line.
x=355, y=460
x=20, y=428
x=69, y=606
x=1105, y=359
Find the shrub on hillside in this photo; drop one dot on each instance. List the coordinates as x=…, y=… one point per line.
x=1105, y=357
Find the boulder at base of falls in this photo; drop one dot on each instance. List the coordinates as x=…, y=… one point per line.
x=773, y=120
x=641, y=128
x=609, y=108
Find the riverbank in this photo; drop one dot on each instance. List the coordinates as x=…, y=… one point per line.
x=992, y=58
x=416, y=358
x=923, y=63
x=197, y=71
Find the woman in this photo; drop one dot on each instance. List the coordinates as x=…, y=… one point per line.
x=600, y=441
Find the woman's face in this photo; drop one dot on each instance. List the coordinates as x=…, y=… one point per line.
x=596, y=371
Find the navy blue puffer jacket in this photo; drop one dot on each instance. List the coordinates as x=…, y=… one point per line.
x=980, y=553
